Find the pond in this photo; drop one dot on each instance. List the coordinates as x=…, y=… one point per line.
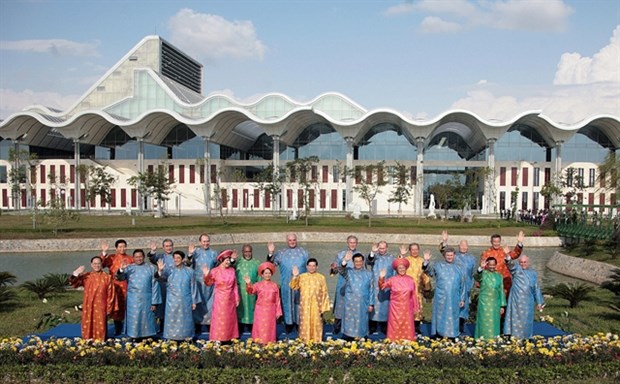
x=29, y=266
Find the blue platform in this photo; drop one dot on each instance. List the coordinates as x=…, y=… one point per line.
x=73, y=330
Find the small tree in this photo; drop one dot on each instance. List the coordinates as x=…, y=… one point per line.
x=156, y=184
x=369, y=186
x=220, y=199
x=463, y=195
x=299, y=172
x=402, y=193
x=100, y=184
x=270, y=182
x=57, y=215
x=24, y=163
x=609, y=173
x=550, y=191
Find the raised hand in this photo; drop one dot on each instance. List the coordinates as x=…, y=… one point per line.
x=427, y=255
x=247, y=280
x=375, y=247
x=507, y=249
x=382, y=273
x=520, y=237
x=205, y=270
x=271, y=248
x=191, y=248
x=153, y=247
x=403, y=250
x=483, y=264
x=234, y=254
x=444, y=236
x=160, y=265
x=295, y=271
x=348, y=256
x=79, y=270
x=104, y=248
x=123, y=265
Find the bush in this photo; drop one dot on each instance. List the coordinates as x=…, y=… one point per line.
x=574, y=293
x=68, y=374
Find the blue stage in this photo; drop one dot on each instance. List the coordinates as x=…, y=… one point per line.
x=73, y=330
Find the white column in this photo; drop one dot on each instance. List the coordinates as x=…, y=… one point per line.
x=557, y=175
x=76, y=144
x=140, y=171
x=16, y=196
x=275, y=158
x=348, y=171
x=489, y=190
x=419, y=186
x=207, y=174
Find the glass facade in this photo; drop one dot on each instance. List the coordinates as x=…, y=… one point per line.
x=386, y=142
x=517, y=145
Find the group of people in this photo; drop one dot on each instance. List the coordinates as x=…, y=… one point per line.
x=179, y=296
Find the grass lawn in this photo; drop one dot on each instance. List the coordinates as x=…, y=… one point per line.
x=96, y=225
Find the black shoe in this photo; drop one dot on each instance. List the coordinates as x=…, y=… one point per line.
x=337, y=326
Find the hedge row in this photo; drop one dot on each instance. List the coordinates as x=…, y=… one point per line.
x=602, y=373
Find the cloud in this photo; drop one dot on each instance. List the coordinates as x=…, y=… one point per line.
x=211, y=37
x=56, y=47
x=400, y=9
x=548, y=15
x=603, y=66
x=12, y=101
x=433, y=24
x=583, y=87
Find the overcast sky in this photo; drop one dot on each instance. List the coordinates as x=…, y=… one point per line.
x=496, y=58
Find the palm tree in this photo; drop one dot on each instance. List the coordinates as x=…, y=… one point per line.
x=58, y=280
x=7, y=278
x=574, y=293
x=613, y=284
x=7, y=293
x=41, y=287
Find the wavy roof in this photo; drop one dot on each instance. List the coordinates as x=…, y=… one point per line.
x=153, y=105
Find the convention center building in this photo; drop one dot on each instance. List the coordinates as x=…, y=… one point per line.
x=148, y=112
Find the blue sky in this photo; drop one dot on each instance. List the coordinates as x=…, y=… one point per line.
x=421, y=58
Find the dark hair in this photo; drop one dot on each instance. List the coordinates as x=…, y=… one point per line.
x=180, y=253
x=204, y=234
x=496, y=236
x=166, y=240
x=95, y=257
x=312, y=259
x=449, y=249
x=120, y=241
x=357, y=256
x=492, y=259
x=412, y=244
x=139, y=250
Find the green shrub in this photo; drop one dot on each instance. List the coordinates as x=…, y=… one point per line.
x=574, y=293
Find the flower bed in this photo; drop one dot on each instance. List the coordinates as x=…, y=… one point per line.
x=331, y=354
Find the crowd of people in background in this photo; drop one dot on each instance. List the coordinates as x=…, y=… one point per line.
x=176, y=296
